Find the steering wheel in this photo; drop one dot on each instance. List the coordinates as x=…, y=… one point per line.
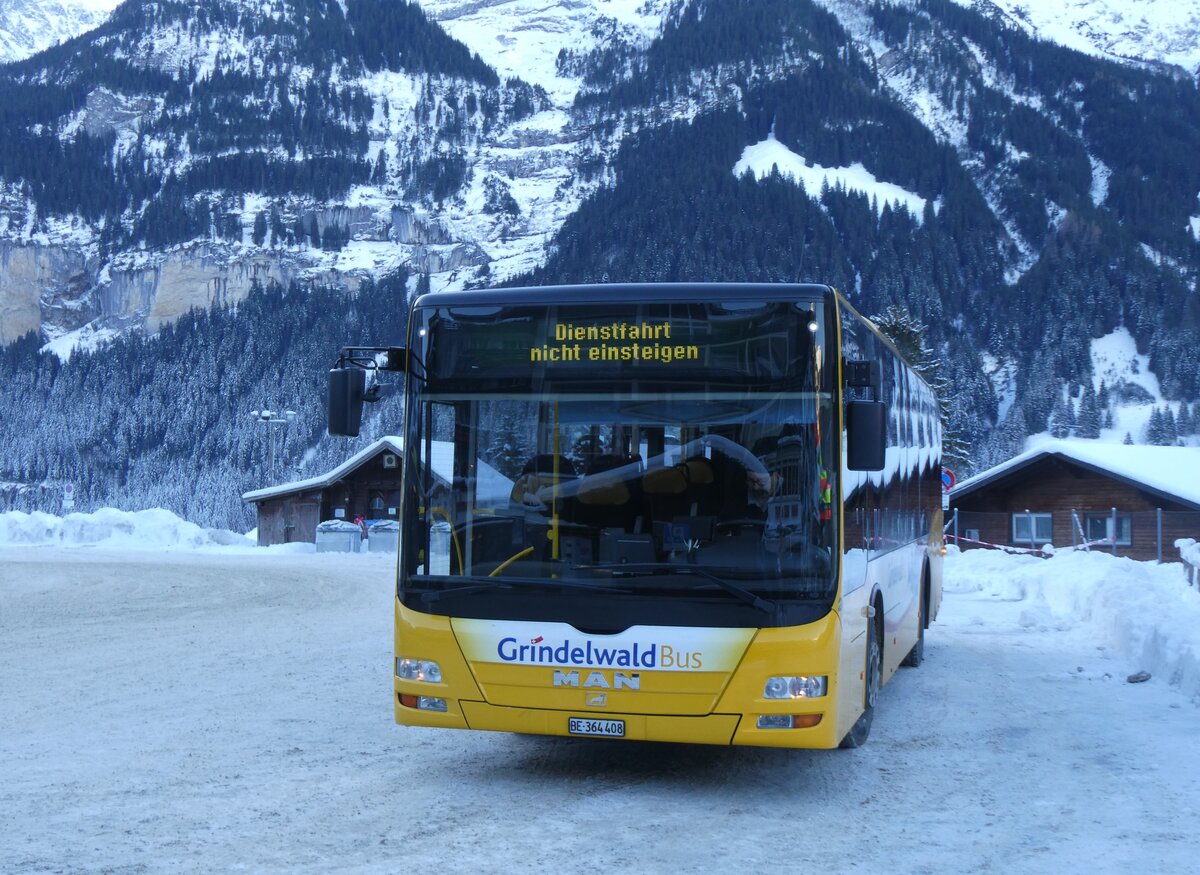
x=732, y=526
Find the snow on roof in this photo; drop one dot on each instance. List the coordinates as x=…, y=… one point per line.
x=492, y=486
x=395, y=444
x=1171, y=471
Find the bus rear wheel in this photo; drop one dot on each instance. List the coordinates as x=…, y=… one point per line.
x=861, y=730
x=917, y=655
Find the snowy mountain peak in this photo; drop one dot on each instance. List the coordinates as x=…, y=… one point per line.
x=1154, y=31
x=531, y=50
x=30, y=26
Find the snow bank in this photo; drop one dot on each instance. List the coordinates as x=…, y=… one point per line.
x=1146, y=612
x=1189, y=550
x=153, y=529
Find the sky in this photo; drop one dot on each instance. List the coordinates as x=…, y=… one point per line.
x=176, y=701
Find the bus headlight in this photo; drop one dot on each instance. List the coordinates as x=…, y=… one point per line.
x=418, y=670
x=796, y=687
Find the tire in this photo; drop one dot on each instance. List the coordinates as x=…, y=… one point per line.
x=917, y=655
x=861, y=730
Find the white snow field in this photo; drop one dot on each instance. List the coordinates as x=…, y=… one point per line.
x=221, y=709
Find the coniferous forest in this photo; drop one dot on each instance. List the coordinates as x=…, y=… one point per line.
x=166, y=421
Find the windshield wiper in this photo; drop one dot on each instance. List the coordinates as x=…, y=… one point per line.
x=434, y=594
x=765, y=605
x=569, y=584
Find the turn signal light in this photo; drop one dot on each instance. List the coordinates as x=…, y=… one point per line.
x=788, y=721
x=422, y=703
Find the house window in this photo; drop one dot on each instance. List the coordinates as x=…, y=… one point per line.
x=1099, y=527
x=376, y=505
x=1041, y=533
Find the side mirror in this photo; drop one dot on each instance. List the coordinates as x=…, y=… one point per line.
x=866, y=435
x=863, y=375
x=347, y=391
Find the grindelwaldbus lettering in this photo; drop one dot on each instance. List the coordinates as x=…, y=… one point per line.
x=649, y=656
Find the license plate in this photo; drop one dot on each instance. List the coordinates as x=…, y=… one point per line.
x=589, y=726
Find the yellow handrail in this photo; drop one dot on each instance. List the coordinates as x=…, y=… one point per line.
x=462, y=568
x=510, y=560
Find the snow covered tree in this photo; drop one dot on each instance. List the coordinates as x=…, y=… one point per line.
x=1183, y=420
x=1089, y=414
x=1009, y=439
x=1154, y=429
x=1170, y=427
x=380, y=171
x=1062, y=417
x=260, y=229
x=908, y=335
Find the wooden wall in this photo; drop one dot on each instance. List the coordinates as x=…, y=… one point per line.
x=288, y=518
x=294, y=516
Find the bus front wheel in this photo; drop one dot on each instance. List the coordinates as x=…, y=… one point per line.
x=861, y=730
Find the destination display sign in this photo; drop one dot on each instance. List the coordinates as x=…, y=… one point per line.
x=614, y=342
x=765, y=341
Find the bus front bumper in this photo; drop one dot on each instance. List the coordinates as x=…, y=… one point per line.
x=716, y=729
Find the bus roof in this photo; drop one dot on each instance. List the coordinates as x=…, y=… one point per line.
x=615, y=293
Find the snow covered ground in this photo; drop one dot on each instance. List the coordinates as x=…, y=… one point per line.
x=224, y=708
x=768, y=156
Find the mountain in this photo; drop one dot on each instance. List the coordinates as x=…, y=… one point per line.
x=1158, y=32
x=1034, y=207
x=137, y=177
x=29, y=26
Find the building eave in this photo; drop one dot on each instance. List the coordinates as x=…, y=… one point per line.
x=395, y=444
x=1014, y=466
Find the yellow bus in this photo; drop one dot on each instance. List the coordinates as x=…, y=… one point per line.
x=702, y=513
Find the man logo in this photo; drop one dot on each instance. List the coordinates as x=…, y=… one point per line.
x=596, y=700
x=596, y=680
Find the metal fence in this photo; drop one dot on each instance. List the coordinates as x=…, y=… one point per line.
x=1145, y=535
x=1189, y=552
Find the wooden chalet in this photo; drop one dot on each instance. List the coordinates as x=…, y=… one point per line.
x=1134, y=501
x=367, y=484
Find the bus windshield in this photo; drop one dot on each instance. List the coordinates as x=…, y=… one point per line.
x=660, y=451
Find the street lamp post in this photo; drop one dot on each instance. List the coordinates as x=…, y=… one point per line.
x=272, y=420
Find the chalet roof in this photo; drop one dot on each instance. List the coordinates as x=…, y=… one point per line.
x=492, y=486
x=321, y=481
x=1170, y=472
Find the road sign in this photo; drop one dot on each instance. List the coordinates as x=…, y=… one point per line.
x=948, y=479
